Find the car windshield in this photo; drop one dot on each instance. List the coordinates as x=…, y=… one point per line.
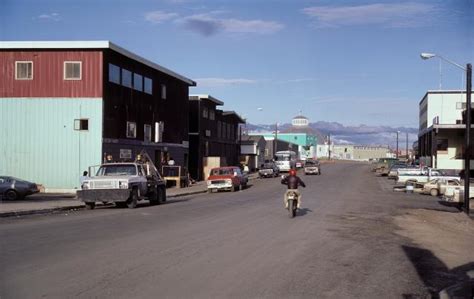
x=282, y=157
x=222, y=171
x=267, y=166
x=117, y=170
x=310, y=163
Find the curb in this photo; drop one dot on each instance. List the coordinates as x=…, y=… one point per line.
x=77, y=207
x=74, y=207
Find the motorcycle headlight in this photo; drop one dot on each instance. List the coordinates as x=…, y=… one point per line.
x=123, y=184
x=85, y=185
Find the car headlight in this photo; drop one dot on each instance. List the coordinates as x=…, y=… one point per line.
x=209, y=183
x=123, y=184
x=228, y=181
x=85, y=185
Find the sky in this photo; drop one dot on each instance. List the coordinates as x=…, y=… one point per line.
x=352, y=62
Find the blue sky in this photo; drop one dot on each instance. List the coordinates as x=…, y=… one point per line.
x=354, y=62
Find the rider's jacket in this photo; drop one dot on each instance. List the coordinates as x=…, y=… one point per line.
x=292, y=182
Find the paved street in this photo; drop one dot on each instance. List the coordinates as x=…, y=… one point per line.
x=342, y=244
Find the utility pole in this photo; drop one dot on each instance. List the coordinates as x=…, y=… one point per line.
x=396, y=153
x=329, y=146
x=275, y=145
x=467, y=155
x=407, y=148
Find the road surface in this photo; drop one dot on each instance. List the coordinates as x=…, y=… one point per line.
x=342, y=244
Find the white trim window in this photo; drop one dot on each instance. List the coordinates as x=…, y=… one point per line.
x=72, y=70
x=23, y=70
x=163, y=92
x=81, y=124
x=205, y=113
x=147, y=133
x=212, y=115
x=131, y=129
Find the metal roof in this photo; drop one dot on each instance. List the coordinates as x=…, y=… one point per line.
x=91, y=45
x=198, y=97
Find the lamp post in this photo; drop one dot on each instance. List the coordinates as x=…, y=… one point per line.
x=467, y=146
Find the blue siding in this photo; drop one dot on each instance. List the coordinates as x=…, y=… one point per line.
x=38, y=141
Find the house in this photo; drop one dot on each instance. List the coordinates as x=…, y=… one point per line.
x=214, y=135
x=441, y=136
x=252, y=151
x=370, y=152
x=67, y=105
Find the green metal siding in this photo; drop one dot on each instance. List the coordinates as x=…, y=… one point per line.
x=38, y=141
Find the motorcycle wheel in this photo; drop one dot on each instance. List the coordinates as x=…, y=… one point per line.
x=291, y=208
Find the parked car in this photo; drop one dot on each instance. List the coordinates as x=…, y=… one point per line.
x=226, y=178
x=312, y=167
x=299, y=164
x=437, y=186
x=424, y=177
x=12, y=188
x=268, y=170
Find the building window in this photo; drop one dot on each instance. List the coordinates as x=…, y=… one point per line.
x=147, y=133
x=72, y=70
x=148, y=85
x=460, y=106
x=205, y=112
x=219, y=129
x=163, y=92
x=81, y=124
x=126, y=78
x=24, y=70
x=131, y=129
x=442, y=144
x=137, y=82
x=206, y=149
x=212, y=115
x=114, y=73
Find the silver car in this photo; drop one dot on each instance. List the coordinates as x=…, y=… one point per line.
x=12, y=188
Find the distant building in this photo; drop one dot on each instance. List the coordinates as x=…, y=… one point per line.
x=252, y=151
x=366, y=152
x=342, y=151
x=441, y=134
x=67, y=105
x=300, y=134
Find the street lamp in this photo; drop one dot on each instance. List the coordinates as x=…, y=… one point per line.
x=467, y=154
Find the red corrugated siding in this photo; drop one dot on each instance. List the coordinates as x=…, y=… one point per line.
x=48, y=74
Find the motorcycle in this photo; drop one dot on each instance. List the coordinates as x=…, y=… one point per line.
x=292, y=199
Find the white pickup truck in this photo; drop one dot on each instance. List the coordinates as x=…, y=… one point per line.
x=423, y=177
x=124, y=184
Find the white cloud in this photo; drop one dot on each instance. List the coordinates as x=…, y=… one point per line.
x=49, y=17
x=389, y=15
x=220, y=82
x=159, y=16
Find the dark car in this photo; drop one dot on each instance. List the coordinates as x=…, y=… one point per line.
x=269, y=170
x=12, y=188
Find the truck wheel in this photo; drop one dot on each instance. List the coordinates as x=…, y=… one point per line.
x=90, y=205
x=133, y=200
x=155, y=197
x=434, y=192
x=162, y=195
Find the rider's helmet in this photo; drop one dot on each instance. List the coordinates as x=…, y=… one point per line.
x=292, y=172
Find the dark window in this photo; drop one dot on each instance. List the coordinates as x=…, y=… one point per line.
x=442, y=144
x=114, y=73
x=126, y=78
x=148, y=85
x=137, y=82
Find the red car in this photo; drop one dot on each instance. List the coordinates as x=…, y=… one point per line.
x=228, y=178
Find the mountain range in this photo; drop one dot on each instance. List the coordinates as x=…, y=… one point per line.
x=341, y=134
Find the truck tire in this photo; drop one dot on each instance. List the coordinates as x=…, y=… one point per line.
x=120, y=204
x=155, y=197
x=90, y=205
x=133, y=200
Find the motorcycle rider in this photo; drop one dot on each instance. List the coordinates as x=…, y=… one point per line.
x=292, y=181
